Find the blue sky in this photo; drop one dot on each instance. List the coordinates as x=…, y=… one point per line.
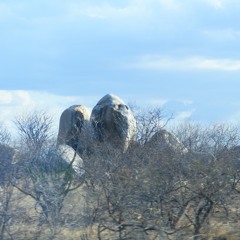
x=182, y=55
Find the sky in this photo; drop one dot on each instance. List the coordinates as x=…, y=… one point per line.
x=180, y=55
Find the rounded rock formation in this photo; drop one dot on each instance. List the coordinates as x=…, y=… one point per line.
x=8, y=159
x=164, y=141
x=70, y=156
x=73, y=127
x=113, y=122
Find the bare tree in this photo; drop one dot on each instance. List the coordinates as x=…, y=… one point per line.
x=45, y=175
x=149, y=191
x=34, y=129
x=155, y=193
x=212, y=139
x=6, y=211
x=5, y=135
x=149, y=121
x=7, y=154
x=210, y=170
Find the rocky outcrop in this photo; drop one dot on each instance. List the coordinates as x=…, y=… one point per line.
x=70, y=156
x=164, y=141
x=73, y=127
x=113, y=122
x=7, y=153
x=8, y=157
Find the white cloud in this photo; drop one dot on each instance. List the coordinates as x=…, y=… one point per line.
x=217, y=4
x=222, y=34
x=24, y=98
x=104, y=11
x=216, y=64
x=187, y=103
x=155, y=62
x=109, y=9
x=168, y=4
x=5, y=97
x=157, y=102
x=234, y=117
x=14, y=103
x=182, y=116
x=132, y=8
x=16, y=98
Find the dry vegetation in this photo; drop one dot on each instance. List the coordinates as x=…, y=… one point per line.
x=148, y=192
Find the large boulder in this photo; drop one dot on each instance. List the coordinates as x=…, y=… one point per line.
x=70, y=156
x=165, y=142
x=113, y=122
x=232, y=156
x=8, y=157
x=7, y=153
x=74, y=127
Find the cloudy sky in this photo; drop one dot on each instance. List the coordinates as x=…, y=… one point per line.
x=182, y=55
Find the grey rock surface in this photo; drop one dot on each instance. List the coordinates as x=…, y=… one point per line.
x=113, y=121
x=70, y=156
x=164, y=140
x=73, y=127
